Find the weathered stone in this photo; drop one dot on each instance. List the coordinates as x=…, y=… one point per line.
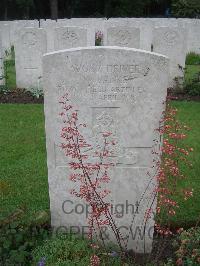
x=120, y=90
x=193, y=42
x=123, y=36
x=172, y=42
x=17, y=25
x=51, y=26
x=5, y=33
x=70, y=37
x=146, y=29
x=29, y=49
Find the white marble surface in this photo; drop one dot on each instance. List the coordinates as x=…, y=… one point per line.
x=120, y=90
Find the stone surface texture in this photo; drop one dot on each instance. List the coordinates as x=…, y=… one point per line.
x=172, y=42
x=123, y=36
x=29, y=49
x=70, y=37
x=120, y=90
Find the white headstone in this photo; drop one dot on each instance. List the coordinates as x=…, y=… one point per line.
x=120, y=90
x=5, y=33
x=123, y=36
x=70, y=37
x=146, y=29
x=193, y=36
x=29, y=49
x=16, y=26
x=51, y=25
x=172, y=42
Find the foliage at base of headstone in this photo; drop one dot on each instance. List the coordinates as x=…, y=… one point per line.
x=4, y=90
x=17, y=240
x=187, y=248
x=192, y=87
x=192, y=59
x=70, y=250
x=36, y=92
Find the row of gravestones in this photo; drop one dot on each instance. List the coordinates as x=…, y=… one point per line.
x=31, y=43
x=121, y=91
x=10, y=29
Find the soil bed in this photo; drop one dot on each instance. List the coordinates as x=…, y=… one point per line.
x=24, y=96
x=19, y=96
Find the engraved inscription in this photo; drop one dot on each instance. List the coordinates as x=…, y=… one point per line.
x=108, y=92
x=170, y=37
x=103, y=91
x=69, y=36
x=128, y=71
x=122, y=37
x=29, y=39
x=29, y=62
x=134, y=157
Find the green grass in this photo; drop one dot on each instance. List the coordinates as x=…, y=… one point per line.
x=190, y=72
x=189, y=211
x=192, y=59
x=23, y=171
x=10, y=74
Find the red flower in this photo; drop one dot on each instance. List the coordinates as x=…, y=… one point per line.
x=94, y=260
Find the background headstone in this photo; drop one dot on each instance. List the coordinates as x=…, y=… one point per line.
x=5, y=33
x=17, y=25
x=193, y=42
x=146, y=29
x=70, y=37
x=29, y=49
x=172, y=42
x=115, y=89
x=123, y=36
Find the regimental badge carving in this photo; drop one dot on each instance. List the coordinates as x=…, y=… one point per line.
x=29, y=39
x=122, y=37
x=170, y=37
x=130, y=156
x=69, y=36
x=105, y=120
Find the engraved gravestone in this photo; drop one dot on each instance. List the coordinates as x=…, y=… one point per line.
x=17, y=25
x=5, y=33
x=118, y=90
x=193, y=36
x=29, y=49
x=123, y=36
x=172, y=42
x=70, y=37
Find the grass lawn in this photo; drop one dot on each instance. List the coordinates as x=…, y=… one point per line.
x=190, y=71
x=23, y=171
x=189, y=211
x=9, y=70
